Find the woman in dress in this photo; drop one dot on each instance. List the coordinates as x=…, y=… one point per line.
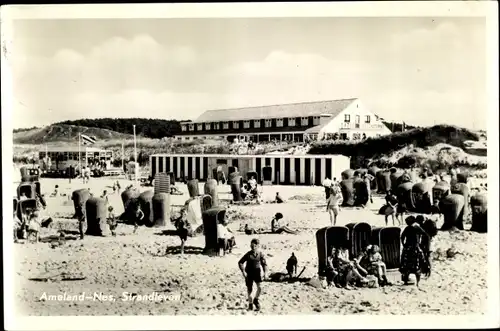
x=412, y=259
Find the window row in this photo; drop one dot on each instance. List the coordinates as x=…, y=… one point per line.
x=347, y=118
x=268, y=123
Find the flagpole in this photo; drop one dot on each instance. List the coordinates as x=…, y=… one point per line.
x=46, y=158
x=123, y=156
x=136, y=167
x=79, y=153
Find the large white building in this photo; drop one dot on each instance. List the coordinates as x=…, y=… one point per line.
x=348, y=118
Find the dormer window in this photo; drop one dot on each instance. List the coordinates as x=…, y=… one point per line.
x=279, y=122
x=236, y=125
x=246, y=124
x=304, y=121
x=291, y=121
x=208, y=126
x=184, y=127
x=225, y=125
x=200, y=127
x=191, y=127
x=256, y=124
x=268, y=123
x=216, y=126
x=316, y=120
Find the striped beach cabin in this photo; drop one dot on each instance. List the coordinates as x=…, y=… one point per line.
x=285, y=169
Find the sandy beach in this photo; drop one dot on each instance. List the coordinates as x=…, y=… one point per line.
x=148, y=264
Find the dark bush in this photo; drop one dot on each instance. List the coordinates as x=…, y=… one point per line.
x=420, y=137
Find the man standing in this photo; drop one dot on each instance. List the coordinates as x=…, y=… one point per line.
x=82, y=219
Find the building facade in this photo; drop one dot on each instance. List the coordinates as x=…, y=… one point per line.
x=347, y=118
x=283, y=169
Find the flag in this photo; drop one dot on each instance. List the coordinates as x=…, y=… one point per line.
x=86, y=140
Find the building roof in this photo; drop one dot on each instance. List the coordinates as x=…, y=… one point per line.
x=71, y=149
x=315, y=108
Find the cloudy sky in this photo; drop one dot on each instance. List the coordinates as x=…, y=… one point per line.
x=419, y=70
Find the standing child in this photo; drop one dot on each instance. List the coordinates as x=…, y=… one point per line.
x=112, y=222
x=333, y=204
x=391, y=208
x=250, y=265
x=139, y=216
x=182, y=229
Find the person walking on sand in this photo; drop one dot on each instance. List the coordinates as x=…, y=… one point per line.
x=250, y=265
x=333, y=204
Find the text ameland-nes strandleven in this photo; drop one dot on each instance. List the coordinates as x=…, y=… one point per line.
x=100, y=296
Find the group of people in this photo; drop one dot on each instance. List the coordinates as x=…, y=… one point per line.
x=28, y=226
x=249, y=190
x=343, y=272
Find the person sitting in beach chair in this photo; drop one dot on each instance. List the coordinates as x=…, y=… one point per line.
x=245, y=191
x=370, y=263
x=347, y=270
x=225, y=238
x=276, y=227
x=33, y=227
x=331, y=271
x=18, y=225
x=252, y=182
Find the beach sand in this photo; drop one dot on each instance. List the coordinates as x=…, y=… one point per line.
x=195, y=284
